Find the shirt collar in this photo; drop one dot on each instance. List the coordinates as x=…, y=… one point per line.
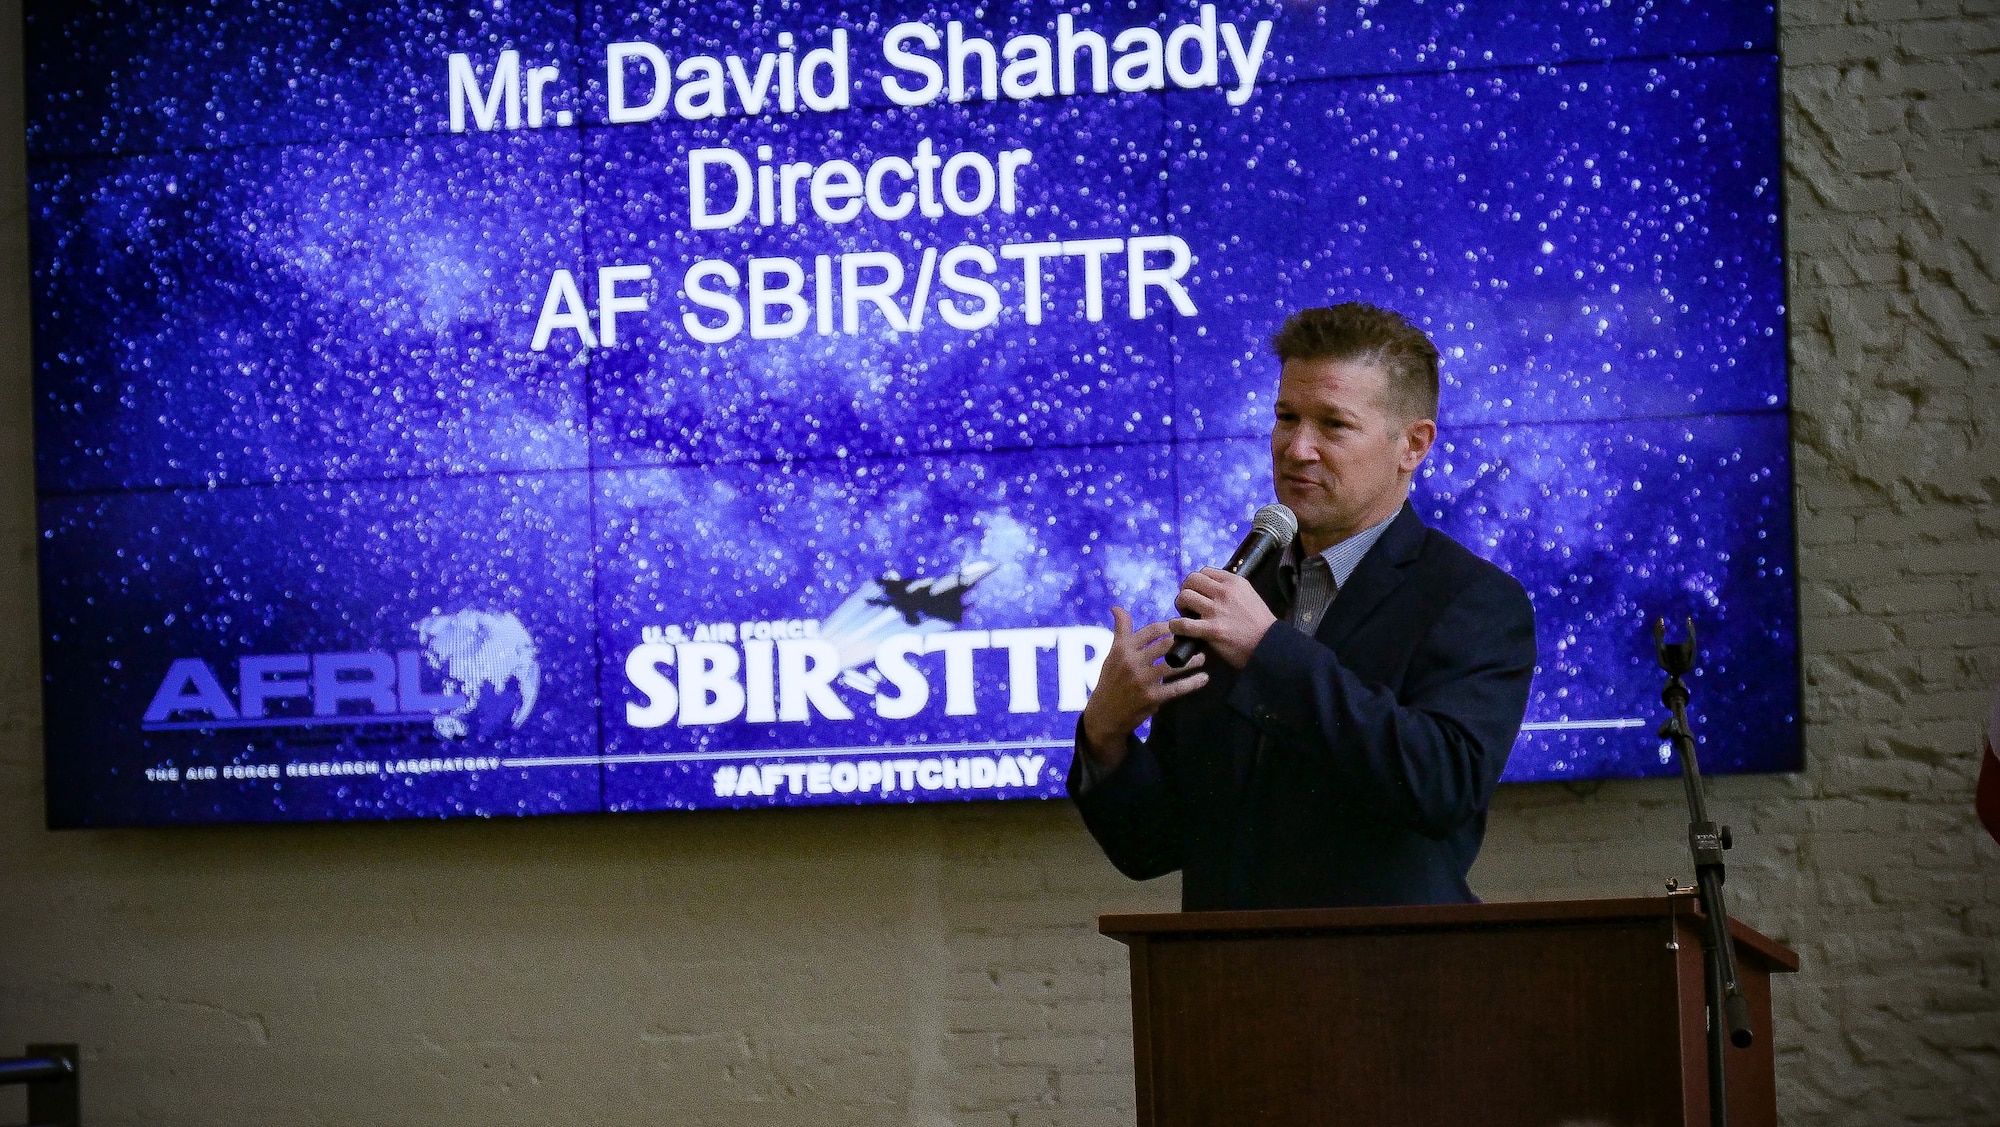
x=1342, y=558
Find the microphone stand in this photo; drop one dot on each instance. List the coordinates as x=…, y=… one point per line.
x=1728, y=1011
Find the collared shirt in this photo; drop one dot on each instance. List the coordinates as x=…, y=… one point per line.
x=1325, y=575
x=1314, y=585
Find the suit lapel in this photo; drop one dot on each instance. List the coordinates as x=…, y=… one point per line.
x=1378, y=574
x=1265, y=582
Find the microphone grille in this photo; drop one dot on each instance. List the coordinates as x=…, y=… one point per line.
x=1278, y=521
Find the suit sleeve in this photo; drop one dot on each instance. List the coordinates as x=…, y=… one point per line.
x=1429, y=759
x=1131, y=811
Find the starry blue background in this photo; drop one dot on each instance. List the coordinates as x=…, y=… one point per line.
x=136, y=578
x=285, y=400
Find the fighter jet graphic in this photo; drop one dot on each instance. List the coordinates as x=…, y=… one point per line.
x=941, y=598
x=889, y=605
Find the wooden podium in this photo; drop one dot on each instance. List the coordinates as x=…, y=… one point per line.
x=1583, y=1013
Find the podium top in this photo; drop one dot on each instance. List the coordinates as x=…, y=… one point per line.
x=1436, y=917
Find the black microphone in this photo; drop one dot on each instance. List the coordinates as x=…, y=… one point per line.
x=1271, y=530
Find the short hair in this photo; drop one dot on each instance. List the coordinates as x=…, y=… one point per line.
x=1358, y=331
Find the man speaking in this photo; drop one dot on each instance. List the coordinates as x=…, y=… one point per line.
x=1338, y=737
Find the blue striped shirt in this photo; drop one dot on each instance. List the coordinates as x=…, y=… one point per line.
x=1314, y=586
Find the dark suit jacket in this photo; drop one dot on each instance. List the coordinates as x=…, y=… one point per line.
x=1352, y=767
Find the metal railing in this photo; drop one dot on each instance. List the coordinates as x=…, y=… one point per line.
x=50, y=1074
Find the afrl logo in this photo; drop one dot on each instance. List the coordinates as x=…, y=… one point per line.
x=483, y=665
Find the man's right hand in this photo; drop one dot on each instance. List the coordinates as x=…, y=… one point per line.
x=1132, y=685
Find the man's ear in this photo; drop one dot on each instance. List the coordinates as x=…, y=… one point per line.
x=1417, y=440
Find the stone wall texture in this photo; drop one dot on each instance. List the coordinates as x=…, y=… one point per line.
x=941, y=966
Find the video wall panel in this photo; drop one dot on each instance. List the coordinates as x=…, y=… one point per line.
x=447, y=411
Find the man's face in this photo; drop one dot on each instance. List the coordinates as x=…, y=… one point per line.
x=1341, y=458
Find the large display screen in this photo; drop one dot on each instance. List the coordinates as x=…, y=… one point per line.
x=503, y=408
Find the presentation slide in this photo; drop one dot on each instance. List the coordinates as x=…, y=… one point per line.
x=454, y=410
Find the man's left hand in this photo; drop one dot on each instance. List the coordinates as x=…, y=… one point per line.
x=1233, y=616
